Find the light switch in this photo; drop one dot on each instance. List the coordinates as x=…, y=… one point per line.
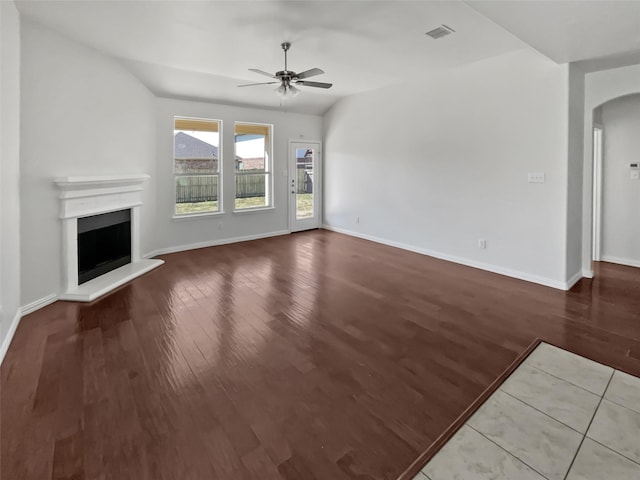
x=536, y=178
x=635, y=174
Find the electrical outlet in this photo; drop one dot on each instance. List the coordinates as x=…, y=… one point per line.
x=535, y=178
x=357, y=219
x=219, y=225
x=482, y=243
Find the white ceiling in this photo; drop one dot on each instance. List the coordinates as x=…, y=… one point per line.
x=202, y=50
x=569, y=31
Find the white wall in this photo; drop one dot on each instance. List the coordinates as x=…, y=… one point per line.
x=82, y=113
x=600, y=87
x=575, y=166
x=620, y=194
x=436, y=165
x=9, y=173
x=176, y=234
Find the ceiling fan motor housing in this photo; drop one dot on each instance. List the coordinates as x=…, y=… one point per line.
x=286, y=75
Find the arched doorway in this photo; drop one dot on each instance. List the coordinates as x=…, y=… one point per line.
x=616, y=181
x=600, y=88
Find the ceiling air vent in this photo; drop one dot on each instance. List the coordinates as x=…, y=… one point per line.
x=441, y=31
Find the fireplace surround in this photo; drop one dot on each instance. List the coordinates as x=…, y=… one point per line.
x=90, y=196
x=104, y=243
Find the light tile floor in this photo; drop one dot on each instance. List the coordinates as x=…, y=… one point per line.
x=559, y=416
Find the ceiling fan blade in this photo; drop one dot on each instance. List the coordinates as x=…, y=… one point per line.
x=310, y=73
x=315, y=84
x=261, y=83
x=262, y=72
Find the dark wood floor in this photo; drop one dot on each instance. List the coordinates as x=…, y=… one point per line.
x=308, y=356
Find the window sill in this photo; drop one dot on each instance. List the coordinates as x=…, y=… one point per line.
x=191, y=216
x=252, y=210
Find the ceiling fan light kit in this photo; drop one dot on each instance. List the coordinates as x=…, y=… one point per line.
x=288, y=79
x=287, y=91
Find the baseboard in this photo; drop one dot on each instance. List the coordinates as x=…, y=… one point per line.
x=629, y=262
x=573, y=280
x=10, y=333
x=587, y=273
x=22, y=311
x=547, y=282
x=38, y=304
x=214, y=243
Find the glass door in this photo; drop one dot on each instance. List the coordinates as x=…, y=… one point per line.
x=304, y=186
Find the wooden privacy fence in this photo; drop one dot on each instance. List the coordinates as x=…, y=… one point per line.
x=194, y=189
x=250, y=185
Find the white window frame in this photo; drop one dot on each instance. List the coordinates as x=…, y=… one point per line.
x=268, y=171
x=176, y=175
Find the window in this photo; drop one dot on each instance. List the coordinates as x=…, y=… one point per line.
x=196, y=167
x=253, y=165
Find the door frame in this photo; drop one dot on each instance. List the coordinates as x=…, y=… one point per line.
x=598, y=165
x=309, y=224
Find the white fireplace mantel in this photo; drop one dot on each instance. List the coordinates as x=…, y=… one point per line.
x=83, y=196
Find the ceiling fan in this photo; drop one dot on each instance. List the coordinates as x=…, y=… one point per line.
x=289, y=79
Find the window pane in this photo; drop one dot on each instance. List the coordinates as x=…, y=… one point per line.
x=196, y=146
x=196, y=194
x=304, y=193
x=251, y=155
x=251, y=190
x=252, y=165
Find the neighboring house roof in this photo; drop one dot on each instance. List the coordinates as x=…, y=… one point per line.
x=188, y=147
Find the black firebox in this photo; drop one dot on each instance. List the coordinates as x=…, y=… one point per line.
x=104, y=244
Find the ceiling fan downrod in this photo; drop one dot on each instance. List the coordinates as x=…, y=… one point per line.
x=285, y=46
